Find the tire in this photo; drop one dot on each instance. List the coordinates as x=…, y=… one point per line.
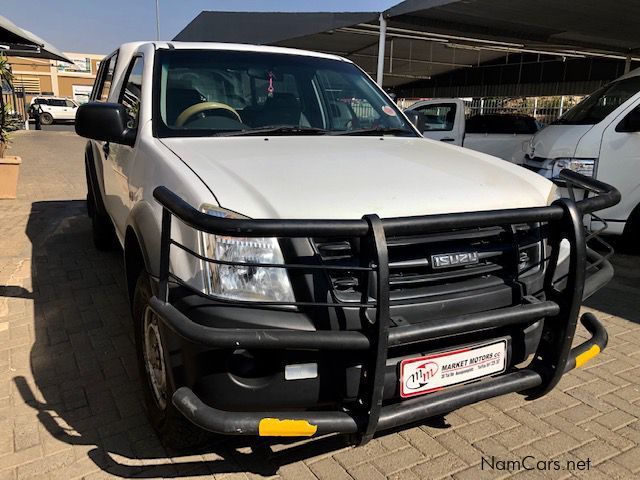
x=46, y=118
x=174, y=430
x=103, y=233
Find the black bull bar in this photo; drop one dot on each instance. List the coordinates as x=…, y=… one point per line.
x=587, y=271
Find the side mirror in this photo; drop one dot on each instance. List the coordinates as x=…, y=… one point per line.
x=630, y=123
x=416, y=118
x=104, y=121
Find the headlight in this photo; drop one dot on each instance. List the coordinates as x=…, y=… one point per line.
x=241, y=282
x=585, y=166
x=554, y=194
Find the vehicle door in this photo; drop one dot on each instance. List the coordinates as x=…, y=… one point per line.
x=118, y=159
x=45, y=106
x=500, y=135
x=443, y=119
x=69, y=111
x=58, y=109
x=102, y=150
x=619, y=161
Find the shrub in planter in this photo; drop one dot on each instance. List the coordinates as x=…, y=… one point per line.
x=9, y=165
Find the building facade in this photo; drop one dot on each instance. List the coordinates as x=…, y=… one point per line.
x=35, y=76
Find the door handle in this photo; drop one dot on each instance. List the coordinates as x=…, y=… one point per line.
x=447, y=139
x=105, y=149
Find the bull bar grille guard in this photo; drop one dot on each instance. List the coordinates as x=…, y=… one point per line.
x=552, y=359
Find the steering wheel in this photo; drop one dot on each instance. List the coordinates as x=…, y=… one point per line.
x=189, y=112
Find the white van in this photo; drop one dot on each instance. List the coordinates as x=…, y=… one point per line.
x=599, y=137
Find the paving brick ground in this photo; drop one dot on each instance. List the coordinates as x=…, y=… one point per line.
x=70, y=402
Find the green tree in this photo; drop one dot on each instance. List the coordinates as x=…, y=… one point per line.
x=6, y=124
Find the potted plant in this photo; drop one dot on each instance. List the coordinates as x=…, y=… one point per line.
x=9, y=165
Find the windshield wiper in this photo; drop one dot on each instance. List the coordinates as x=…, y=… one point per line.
x=275, y=130
x=375, y=131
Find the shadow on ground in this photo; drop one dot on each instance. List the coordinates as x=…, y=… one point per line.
x=620, y=296
x=84, y=365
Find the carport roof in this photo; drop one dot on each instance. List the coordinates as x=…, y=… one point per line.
x=266, y=27
x=351, y=35
x=19, y=42
x=594, y=25
x=426, y=38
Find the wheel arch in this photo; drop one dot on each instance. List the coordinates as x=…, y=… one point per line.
x=633, y=221
x=141, y=245
x=92, y=176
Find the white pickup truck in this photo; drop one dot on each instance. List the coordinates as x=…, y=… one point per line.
x=500, y=135
x=301, y=261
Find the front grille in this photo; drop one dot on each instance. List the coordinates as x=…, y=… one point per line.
x=501, y=254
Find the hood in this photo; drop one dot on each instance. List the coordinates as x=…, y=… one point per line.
x=558, y=141
x=333, y=177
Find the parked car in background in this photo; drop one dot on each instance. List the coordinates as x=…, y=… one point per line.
x=600, y=138
x=299, y=261
x=443, y=119
x=54, y=109
x=500, y=135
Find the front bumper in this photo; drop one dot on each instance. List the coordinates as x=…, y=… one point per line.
x=558, y=311
x=391, y=416
x=309, y=423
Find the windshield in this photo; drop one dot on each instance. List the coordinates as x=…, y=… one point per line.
x=602, y=102
x=205, y=92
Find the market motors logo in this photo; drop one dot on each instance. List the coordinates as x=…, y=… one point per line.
x=421, y=376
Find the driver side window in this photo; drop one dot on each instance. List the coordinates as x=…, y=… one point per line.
x=131, y=95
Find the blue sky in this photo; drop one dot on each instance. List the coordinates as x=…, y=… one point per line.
x=98, y=26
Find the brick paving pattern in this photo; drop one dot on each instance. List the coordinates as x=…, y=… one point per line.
x=70, y=404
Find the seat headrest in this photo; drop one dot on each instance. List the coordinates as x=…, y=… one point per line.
x=282, y=100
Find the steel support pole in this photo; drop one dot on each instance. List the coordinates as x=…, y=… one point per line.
x=627, y=64
x=157, y=19
x=381, y=47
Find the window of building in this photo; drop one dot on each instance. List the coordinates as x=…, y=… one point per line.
x=30, y=85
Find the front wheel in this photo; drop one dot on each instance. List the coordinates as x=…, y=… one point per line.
x=155, y=373
x=46, y=118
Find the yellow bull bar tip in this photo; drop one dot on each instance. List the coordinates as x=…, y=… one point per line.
x=274, y=427
x=586, y=356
